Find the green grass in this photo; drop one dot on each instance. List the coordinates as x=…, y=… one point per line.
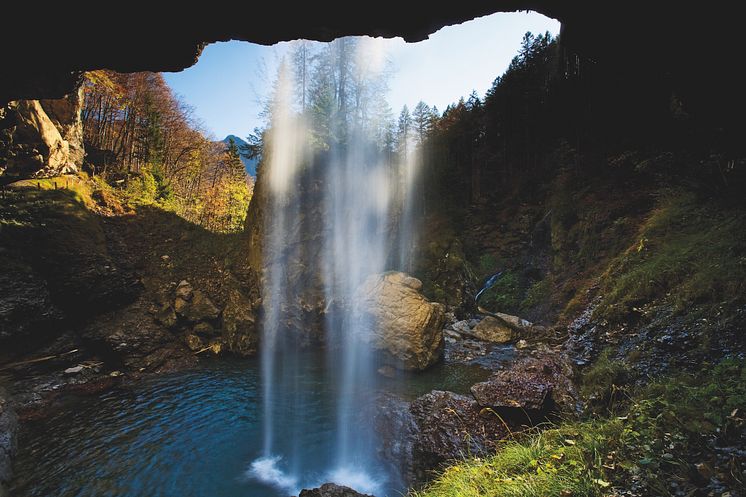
x=556, y=462
x=688, y=253
x=664, y=428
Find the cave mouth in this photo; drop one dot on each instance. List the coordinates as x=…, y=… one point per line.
x=358, y=261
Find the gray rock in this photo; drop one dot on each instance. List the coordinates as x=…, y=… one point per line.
x=74, y=370
x=331, y=490
x=452, y=334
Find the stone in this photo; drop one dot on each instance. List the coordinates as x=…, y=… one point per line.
x=180, y=306
x=65, y=113
x=449, y=426
x=491, y=329
x=203, y=329
x=464, y=326
x=240, y=333
x=452, y=334
x=166, y=316
x=194, y=342
x=74, y=370
x=34, y=143
x=521, y=344
x=184, y=290
x=200, y=308
x=400, y=322
x=532, y=386
x=331, y=490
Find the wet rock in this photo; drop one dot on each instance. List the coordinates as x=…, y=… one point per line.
x=407, y=328
x=396, y=429
x=449, y=426
x=8, y=444
x=493, y=330
x=331, y=490
x=74, y=370
x=240, y=333
x=532, y=386
x=464, y=326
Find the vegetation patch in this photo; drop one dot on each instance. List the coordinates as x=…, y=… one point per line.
x=671, y=438
x=692, y=254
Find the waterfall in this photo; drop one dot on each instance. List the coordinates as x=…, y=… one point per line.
x=332, y=216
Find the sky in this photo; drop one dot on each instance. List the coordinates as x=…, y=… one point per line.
x=227, y=85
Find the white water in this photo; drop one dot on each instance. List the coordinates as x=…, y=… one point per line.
x=362, y=192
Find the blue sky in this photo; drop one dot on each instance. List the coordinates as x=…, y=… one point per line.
x=229, y=81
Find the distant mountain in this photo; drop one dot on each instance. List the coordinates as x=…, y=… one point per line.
x=249, y=164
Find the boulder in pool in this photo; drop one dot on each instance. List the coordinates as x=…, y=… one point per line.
x=399, y=321
x=331, y=490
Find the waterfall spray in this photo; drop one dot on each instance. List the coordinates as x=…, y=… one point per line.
x=331, y=215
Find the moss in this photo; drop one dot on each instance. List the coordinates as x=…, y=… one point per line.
x=506, y=295
x=603, y=384
x=537, y=295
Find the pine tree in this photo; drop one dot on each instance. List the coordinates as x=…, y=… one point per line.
x=422, y=119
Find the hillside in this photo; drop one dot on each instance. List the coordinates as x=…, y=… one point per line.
x=249, y=163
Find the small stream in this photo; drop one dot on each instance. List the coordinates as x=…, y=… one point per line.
x=192, y=433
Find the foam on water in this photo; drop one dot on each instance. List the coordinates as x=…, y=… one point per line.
x=267, y=470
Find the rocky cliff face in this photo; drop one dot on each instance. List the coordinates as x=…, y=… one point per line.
x=41, y=138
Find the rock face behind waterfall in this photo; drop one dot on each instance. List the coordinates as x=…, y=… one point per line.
x=406, y=327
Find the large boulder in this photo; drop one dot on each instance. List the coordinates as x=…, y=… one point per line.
x=532, y=386
x=399, y=321
x=331, y=490
x=449, y=427
x=41, y=138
